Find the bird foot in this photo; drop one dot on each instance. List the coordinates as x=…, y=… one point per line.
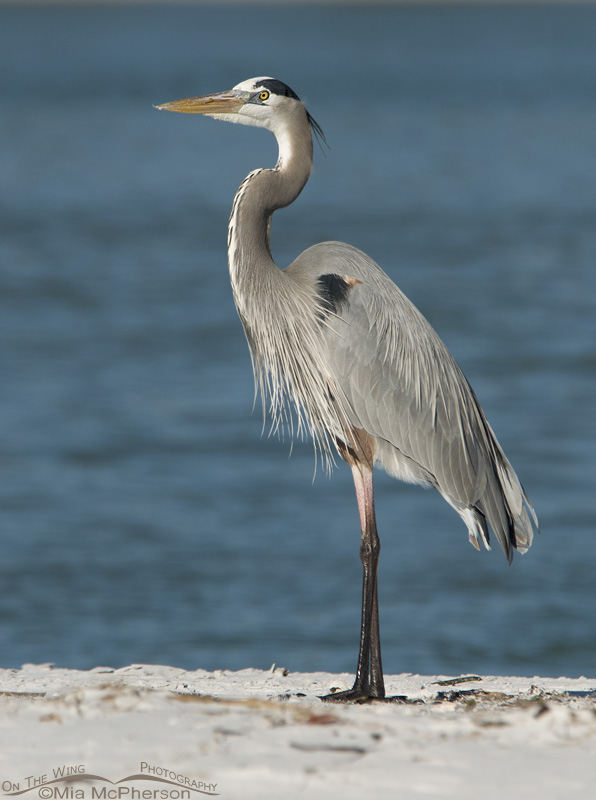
x=356, y=694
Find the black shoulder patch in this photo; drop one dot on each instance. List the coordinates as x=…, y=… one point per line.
x=333, y=290
x=277, y=87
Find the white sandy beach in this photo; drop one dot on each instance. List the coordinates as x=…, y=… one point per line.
x=256, y=734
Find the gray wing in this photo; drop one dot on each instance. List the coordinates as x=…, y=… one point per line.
x=397, y=380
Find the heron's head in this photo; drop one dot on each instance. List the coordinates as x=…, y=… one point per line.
x=262, y=102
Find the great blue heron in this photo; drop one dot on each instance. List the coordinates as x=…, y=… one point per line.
x=335, y=342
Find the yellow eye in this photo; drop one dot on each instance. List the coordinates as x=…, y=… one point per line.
x=264, y=96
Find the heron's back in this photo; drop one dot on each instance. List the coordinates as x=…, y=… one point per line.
x=396, y=380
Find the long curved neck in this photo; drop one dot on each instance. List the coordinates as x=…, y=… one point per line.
x=252, y=268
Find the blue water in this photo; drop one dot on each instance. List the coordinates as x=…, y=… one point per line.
x=143, y=517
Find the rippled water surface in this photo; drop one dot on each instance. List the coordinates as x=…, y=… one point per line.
x=143, y=518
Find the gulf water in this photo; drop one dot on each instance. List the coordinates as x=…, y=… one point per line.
x=143, y=515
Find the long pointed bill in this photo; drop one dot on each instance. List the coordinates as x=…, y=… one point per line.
x=221, y=103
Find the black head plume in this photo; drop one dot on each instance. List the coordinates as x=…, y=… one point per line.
x=282, y=89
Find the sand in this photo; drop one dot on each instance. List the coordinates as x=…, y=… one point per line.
x=161, y=733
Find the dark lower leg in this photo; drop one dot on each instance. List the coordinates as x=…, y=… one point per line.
x=369, y=674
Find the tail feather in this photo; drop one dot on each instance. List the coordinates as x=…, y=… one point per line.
x=507, y=509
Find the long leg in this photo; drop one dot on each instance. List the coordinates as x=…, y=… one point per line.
x=369, y=673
